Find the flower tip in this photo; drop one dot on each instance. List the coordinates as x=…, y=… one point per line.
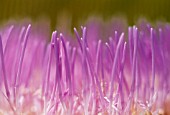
x=74, y=28
x=29, y=26
x=125, y=43
x=54, y=35
x=122, y=35
x=61, y=35
x=54, y=32
x=106, y=43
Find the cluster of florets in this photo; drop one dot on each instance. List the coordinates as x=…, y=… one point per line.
x=128, y=73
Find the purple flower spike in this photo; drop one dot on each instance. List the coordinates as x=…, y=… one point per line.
x=122, y=74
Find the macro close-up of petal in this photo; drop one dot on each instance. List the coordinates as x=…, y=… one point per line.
x=63, y=58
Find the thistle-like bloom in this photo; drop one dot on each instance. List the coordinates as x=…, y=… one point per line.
x=128, y=73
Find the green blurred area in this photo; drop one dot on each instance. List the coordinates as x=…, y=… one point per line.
x=79, y=10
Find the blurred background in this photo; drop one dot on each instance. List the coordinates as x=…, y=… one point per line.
x=76, y=12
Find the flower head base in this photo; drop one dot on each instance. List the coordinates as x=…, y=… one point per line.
x=129, y=74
